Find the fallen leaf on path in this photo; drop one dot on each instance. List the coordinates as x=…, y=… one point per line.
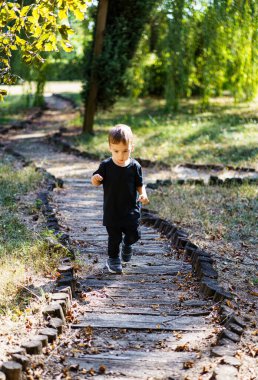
x=177, y=335
x=182, y=347
x=91, y=371
x=74, y=367
x=229, y=304
x=102, y=369
x=188, y=364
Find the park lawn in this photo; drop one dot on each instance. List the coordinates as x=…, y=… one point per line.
x=23, y=252
x=224, y=133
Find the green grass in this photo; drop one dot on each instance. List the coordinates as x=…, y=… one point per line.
x=227, y=213
x=74, y=96
x=12, y=107
x=21, y=249
x=15, y=182
x=224, y=134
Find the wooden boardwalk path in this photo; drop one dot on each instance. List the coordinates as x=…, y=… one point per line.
x=144, y=324
x=150, y=322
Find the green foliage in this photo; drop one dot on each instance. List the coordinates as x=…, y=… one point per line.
x=199, y=48
x=42, y=26
x=125, y=23
x=211, y=49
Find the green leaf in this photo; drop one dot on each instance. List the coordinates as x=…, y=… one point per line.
x=24, y=11
x=66, y=46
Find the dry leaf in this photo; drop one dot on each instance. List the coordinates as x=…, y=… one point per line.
x=188, y=364
x=182, y=347
x=91, y=371
x=229, y=304
x=254, y=292
x=102, y=369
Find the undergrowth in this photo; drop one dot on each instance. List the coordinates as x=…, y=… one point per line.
x=227, y=213
x=23, y=251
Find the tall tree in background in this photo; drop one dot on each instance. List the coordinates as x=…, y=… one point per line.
x=125, y=23
x=175, y=68
x=91, y=101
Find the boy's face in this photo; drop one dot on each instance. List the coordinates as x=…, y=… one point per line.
x=121, y=153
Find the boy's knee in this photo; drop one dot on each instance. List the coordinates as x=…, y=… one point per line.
x=132, y=236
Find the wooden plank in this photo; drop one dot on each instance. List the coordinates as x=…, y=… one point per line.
x=135, y=293
x=133, y=302
x=142, y=322
x=145, y=311
x=135, y=366
x=145, y=278
x=109, y=283
x=140, y=356
x=159, y=270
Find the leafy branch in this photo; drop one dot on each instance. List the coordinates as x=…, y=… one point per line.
x=40, y=27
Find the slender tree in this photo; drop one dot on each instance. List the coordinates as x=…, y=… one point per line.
x=91, y=101
x=125, y=24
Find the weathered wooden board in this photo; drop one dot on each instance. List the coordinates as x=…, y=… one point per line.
x=108, y=283
x=142, y=322
x=134, y=302
x=139, y=365
x=145, y=311
x=142, y=278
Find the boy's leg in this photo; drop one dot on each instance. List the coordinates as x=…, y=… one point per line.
x=114, y=239
x=132, y=235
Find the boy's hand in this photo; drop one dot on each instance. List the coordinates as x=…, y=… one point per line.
x=96, y=179
x=143, y=199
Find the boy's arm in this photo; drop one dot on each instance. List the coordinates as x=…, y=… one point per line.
x=143, y=197
x=96, y=180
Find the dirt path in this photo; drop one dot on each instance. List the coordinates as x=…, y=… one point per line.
x=151, y=322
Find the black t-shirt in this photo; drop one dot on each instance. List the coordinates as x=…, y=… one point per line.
x=120, y=192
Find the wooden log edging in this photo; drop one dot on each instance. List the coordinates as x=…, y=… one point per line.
x=58, y=140
x=23, y=124
x=202, y=267
x=213, y=181
x=216, y=167
x=51, y=182
x=55, y=314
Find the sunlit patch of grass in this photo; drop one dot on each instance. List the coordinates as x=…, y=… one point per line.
x=12, y=107
x=221, y=134
x=34, y=255
x=220, y=212
x=15, y=182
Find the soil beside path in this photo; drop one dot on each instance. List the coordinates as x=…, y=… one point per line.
x=151, y=322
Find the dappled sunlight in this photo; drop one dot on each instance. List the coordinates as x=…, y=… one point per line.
x=208, y=136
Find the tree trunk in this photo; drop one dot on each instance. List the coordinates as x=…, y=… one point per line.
x=91, y=101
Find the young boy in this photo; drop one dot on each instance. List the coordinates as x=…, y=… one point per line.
x=121, y=177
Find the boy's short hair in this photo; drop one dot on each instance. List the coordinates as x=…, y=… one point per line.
x=120, y=133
